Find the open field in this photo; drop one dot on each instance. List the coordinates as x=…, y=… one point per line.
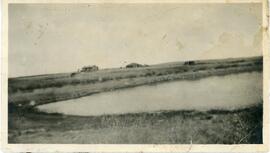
x=28, y=125
x=36, y=90
x=242, y=126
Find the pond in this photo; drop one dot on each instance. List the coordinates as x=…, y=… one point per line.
x=217, y=92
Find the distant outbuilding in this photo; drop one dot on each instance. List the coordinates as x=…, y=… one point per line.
x=189, y=63
x=90, y=68
x=134, y=65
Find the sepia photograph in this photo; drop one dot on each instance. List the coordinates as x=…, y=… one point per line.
x=135, y=73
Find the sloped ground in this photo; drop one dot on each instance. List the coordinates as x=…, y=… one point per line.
x=26, y=125
x=36, y=90
x=242, y=126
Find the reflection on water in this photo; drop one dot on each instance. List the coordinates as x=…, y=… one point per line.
x=218, y=92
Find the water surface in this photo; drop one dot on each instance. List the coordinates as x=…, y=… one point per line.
x=217, y=92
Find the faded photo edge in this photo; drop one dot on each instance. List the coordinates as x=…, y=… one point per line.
x=136, y=147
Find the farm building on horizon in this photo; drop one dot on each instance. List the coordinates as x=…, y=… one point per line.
x=90, y=68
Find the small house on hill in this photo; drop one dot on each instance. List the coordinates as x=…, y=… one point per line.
x=189, y=63
x=91, y=68
x=134, y=65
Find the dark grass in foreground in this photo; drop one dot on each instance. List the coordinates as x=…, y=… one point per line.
x=243, y=126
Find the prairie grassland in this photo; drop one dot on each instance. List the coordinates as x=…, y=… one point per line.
x=27, y=125
x=243, y=126
x=55, y=87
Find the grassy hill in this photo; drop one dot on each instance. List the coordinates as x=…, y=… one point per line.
x=36, y=90
x=28, y=125
x=243, y=126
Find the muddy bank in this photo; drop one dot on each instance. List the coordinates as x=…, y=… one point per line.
x=243, y=126
x=228, y=92
x=30, y=92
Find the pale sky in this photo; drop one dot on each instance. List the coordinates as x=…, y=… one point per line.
x=54, y=38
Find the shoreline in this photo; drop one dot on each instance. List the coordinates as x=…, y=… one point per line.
x=130, y=78
x=37, y=127
x=216, y=126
